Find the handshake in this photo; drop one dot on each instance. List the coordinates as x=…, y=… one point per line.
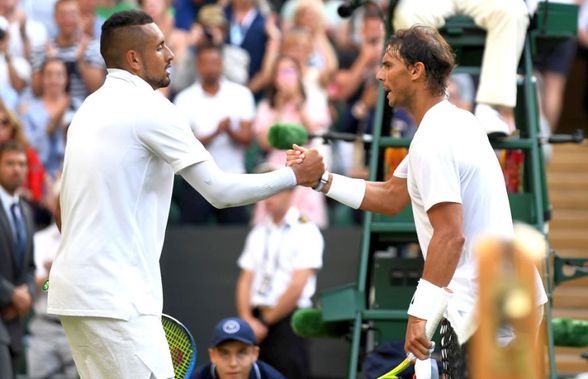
x=308, y=166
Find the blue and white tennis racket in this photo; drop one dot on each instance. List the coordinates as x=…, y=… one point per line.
x=181, y=346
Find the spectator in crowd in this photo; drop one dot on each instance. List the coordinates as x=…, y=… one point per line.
x=334, y=24
x=15, y=71
x=17, y=267
x=278, y=275
x=11, y=129
x=358, y=63
x=25, y=33
x=48, y=354
x=212, y=27
x=506, y=24
x=233, y=354
x=186, y=11
x=354, y=86
x=247, y=29
x=161, y=13
x=107, y=8
x=81, y=54
x=91, y=22
x=287, y=102
x=41, y=12
x=308, y=15
x=225, y=129
x=47, y=117
x=296, y=43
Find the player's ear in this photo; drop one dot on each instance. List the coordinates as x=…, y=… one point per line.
x=134, y=61
x=417, y=70
x=255, y=352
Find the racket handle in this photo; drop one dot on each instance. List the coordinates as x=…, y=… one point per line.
x=432, y=323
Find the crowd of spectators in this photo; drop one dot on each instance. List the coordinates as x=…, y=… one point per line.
x=294, y=61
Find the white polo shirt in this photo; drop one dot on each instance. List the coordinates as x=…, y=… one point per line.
x=124, y=145
x=451, y=160
x=233, y=101
x=273, y=252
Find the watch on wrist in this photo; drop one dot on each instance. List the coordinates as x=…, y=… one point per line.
x=322, y=182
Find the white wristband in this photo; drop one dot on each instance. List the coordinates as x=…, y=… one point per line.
x=348, y=191
x=428, y=303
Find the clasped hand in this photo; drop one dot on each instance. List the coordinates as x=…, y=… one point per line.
x=308, y=165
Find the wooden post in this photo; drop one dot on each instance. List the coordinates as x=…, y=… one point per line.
x=507, y=296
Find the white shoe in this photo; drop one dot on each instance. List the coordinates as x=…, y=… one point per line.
x=492, y=121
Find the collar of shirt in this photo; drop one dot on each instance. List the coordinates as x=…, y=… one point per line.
x=238, y=30
x=291, y=218
x=221, y=85
x=117, y=73
x=7, y=201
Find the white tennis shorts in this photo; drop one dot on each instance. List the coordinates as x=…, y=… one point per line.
x=107, y=348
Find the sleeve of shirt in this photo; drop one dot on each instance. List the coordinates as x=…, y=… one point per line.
x=310, y=248
x=167, y=134
x=37, y=58
x=436, y=173
x=247, y=259
x=402, y=169
x=36, y=133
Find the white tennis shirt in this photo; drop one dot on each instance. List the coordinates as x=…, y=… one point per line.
x=451, y=160
x=123, y=147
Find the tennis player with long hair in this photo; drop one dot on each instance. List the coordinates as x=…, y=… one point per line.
x=453, y=180
x=124, y=145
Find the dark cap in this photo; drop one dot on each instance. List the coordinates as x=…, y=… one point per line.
x=232, y=329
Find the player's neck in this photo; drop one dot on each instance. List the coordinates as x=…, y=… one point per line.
x=422, y=105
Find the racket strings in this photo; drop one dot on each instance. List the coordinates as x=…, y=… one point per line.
x=180, y=346
x=454, y=357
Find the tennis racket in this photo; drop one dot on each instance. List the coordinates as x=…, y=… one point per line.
x=181, y=346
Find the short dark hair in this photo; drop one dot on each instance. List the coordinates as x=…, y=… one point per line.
x=424, y=44
x=12, y=145
x=110, y=38
x=208, y=45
